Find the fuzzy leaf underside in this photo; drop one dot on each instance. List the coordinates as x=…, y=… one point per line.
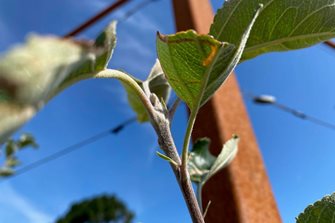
x=226, y=155
x=200, y=160
x=31, y=74
x=322, y=211
x=282, y=25
x=202, y=165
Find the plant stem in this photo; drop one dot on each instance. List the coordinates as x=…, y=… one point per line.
x=160, y=121
x=185, y=177
x=109, y=73
x=187, y=138
x=167, y=144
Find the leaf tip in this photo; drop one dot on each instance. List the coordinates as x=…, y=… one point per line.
x=162, y=37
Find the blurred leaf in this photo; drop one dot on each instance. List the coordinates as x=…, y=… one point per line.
x=106, y=43
x=322, y=211
x=33, y=73
x=101, y=53
x=6, y=172
x=12, y=162
x=196, y=65
x=282, y=25
x=12, y=117
x=26, y=140
x=135, y=103
x=156, y=83
x=10, y=148
x=99, y=209
x=200, y=160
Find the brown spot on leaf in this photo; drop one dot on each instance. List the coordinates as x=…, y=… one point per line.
x=208, y=60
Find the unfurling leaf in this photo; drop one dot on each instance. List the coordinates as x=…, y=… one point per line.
x=282, y=25
x=156, y=83
x=164, y=157
x=196, y=65
x=33, y=73
x=322, y=211
x=202, y=165
x=226, y=155
x=200, y=160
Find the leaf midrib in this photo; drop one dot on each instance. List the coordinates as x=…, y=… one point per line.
x=204, y=84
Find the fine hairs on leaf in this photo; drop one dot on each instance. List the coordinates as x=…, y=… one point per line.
x=194, y=66
x=203, y=165
x=30, y=75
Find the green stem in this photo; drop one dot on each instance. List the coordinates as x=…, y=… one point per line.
x=125, y=78
x=187, y=138
x=161, y=125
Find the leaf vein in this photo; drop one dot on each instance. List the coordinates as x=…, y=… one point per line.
x=307, y=17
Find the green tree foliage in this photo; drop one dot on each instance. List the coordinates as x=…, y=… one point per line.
x=322, y=211
x=100, y=209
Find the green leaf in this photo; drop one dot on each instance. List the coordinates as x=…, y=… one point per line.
x=164, y=157
x=196, y=65
x=200, y=160
x=226, y=155
x=156, y=83
x=202, y=165
x=10, y=148
x=6, y=172
x=12, y=162
x=322, y=211
x=33, y=73
x=101, y=53
x=135, y=102
x=282, y=25
x=26, y=140
x=105, y=43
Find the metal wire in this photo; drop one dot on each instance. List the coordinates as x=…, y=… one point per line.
x=74, y=147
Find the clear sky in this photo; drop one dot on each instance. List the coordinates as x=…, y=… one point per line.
x=298, y=154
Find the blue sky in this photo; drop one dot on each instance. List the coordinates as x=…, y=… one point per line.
x=298, y=154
